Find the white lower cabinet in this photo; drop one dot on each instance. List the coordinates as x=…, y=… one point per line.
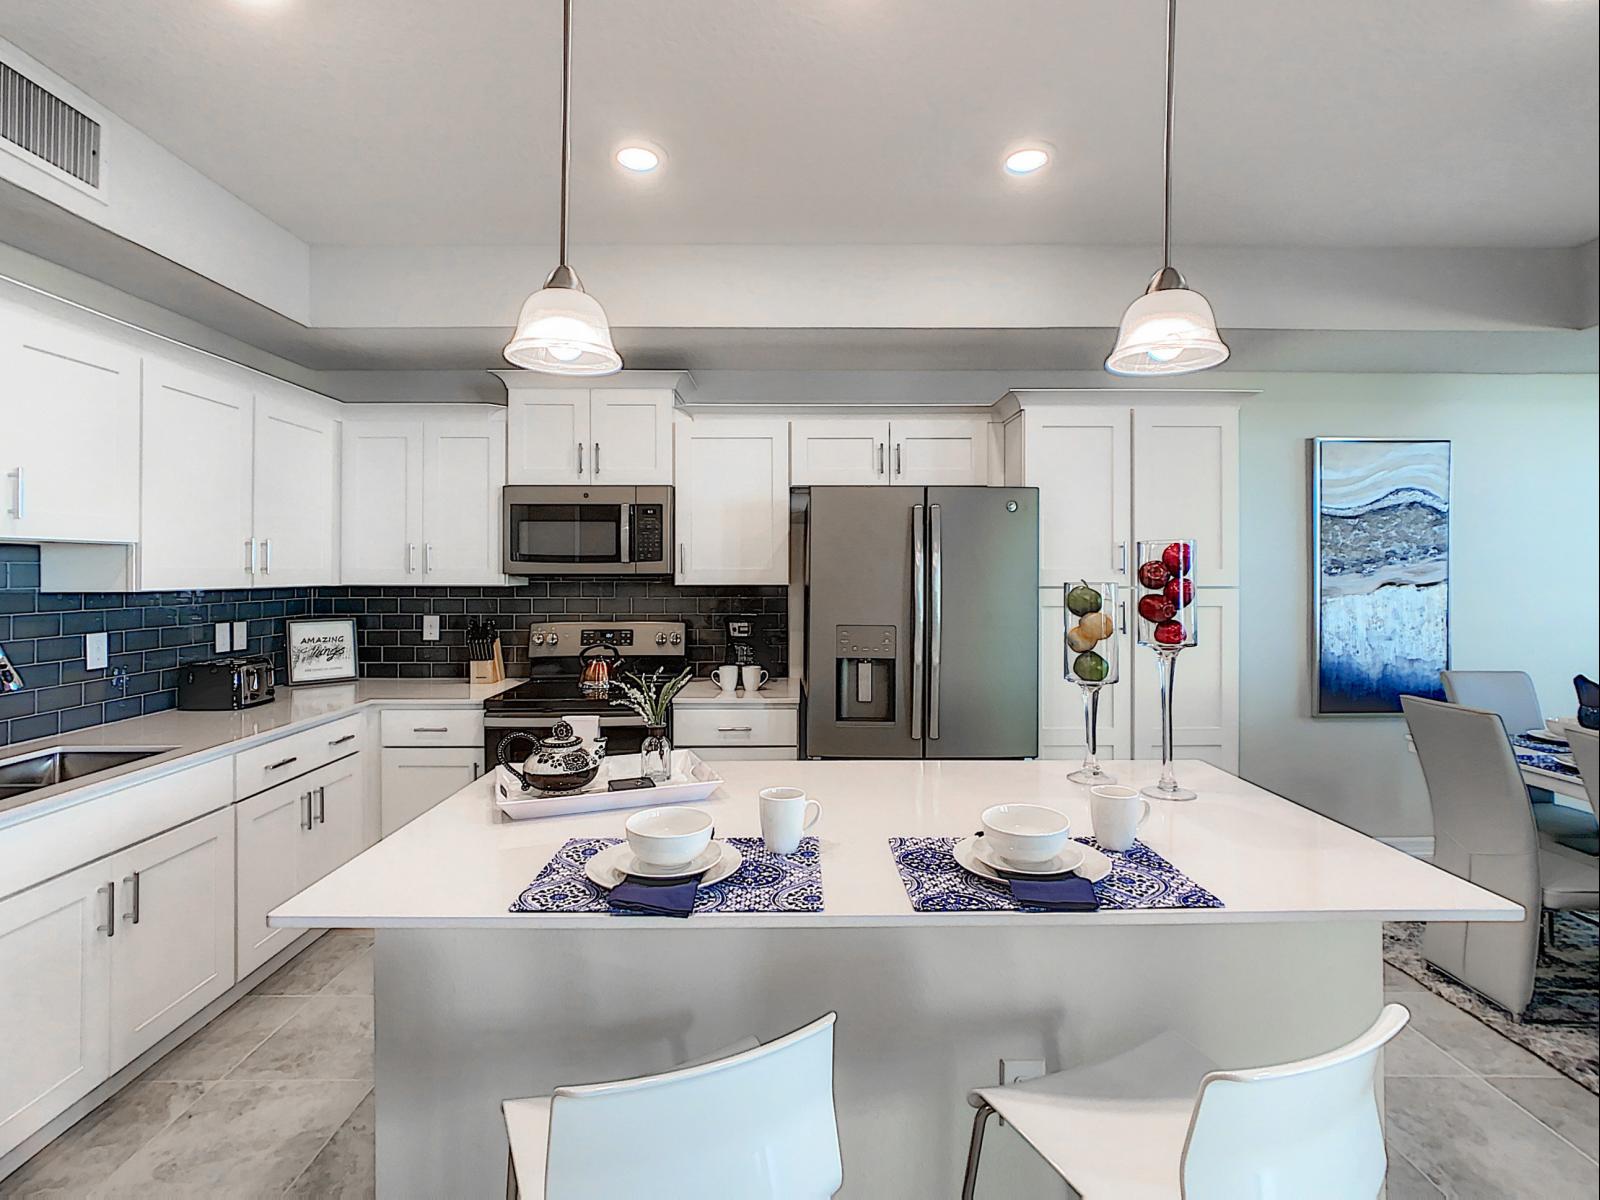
x=98, y=964
x=415, y=779
x=1205, y=693
x=289, y=837
x=1061, y=716
x=55, y=983
x=173, y=949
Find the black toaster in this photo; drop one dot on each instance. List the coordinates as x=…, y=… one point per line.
x=223, y=683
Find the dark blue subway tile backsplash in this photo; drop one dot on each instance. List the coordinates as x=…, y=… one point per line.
x=150, y=633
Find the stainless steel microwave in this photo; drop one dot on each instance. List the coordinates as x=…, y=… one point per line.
x=588, y=530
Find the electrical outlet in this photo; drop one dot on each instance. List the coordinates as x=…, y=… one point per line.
x=1020, y=1070
x=94, y=652
x=430, y=628
x=223, y=637
x=241, y=635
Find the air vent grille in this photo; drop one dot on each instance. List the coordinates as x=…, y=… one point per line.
x=49, y=128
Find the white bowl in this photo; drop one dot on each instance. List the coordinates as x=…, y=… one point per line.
x=1025, y=834
x=668, y=837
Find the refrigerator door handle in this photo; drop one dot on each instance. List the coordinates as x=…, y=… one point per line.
x=935, y=617
x=919, y=602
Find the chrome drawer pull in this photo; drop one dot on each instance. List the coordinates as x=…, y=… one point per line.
x=430, y=729
x=283, y=762
x=734, y=729
x=349, y=737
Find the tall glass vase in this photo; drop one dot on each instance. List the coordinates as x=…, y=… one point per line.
x=1091, y=660
x=1166, y=624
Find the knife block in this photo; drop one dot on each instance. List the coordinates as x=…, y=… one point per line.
x=491, y=669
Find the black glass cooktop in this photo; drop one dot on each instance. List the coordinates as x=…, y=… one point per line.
x=553, y=695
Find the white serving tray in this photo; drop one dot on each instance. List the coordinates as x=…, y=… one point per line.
x=692, y=779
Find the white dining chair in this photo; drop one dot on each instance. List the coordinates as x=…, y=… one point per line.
x=1162, y=1121
x=758, y=1123
x=1585, y=745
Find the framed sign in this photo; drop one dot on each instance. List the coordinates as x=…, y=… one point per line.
x=322, y=649
x=1380, y=573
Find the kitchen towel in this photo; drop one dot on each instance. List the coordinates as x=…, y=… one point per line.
x=763, y=883
x=1139, y=878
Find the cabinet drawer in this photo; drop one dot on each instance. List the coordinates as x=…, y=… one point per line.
x=432, y=726
x=746, y=753
x=736, y=725
x=289, y=757
x=59, y=841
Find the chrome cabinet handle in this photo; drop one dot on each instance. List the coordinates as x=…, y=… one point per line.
x=430, y=729
x=919, y=600
x=21, y=509
x=936, y=618
x=734, y=729
x=1122, y=616
x=880, y=458
x=305, y=810
x=131, y=882
x=1122, y=557
x=898, y=466
x=411, y=558
x=339, y=741
x=597, y=460
x=580, y=460
x=266, y=557
x=680, y=558
x=250, y=555
x=322, y=806
x=110, y=927
x=477, y=769
x=283, y=762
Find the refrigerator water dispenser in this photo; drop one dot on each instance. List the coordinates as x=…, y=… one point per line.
x=864, y=661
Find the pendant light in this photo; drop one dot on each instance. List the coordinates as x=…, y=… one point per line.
x=562, y=329
x=1169, y=330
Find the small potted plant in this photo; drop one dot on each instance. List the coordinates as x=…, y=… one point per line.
x=650, y=698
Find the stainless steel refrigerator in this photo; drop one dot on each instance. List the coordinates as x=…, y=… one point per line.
x=922, y=622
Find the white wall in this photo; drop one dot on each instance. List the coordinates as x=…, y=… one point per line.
x=1523, y=565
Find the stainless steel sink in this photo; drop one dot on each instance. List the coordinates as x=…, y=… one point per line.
x=19, y=776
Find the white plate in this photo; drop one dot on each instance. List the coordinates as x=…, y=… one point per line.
x=1093, y=865
x=1070, y=858
x=614, y=864
x=1541, y=735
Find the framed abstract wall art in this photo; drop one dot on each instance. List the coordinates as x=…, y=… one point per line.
x=1380, y=573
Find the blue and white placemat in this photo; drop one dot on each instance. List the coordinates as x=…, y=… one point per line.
x=763, y=883
x=1544, y=761
x=1139, y=878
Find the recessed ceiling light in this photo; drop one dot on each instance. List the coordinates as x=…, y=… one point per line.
x=638, y=159
x=1026, y=161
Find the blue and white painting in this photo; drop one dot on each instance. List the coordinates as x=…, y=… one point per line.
x=1381, y=511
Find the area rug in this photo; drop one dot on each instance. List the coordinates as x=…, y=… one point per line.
x=1562, y=1025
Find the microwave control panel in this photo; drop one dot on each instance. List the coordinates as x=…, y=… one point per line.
x=648, y=532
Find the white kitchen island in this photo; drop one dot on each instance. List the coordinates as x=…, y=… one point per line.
x=475, y=1004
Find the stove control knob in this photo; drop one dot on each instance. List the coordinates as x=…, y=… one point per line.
x=661, y=639
x=553, y=638
x=677, y=639
x=538, y=639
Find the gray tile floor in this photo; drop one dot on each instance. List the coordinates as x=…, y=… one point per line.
x=274, y=1098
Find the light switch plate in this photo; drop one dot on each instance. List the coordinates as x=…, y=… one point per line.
x=94, y=651
x=223, y=638
x=430, y=628
x=241, y=635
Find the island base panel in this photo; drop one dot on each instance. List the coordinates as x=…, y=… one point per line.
x=466, y=1018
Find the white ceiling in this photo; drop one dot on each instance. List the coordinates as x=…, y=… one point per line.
x=398, y=122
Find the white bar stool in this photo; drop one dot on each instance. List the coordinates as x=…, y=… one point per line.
x=755, y=1123
x=1162, y=1120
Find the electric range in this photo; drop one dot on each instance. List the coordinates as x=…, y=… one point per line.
x=556, y=657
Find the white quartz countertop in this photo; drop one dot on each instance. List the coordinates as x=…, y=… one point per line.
x=462, y=864
x=703, y=693
x=191, y=737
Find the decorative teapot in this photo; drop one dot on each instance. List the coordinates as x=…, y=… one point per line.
x=558, y=765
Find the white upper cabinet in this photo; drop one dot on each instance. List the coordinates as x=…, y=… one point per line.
x=732, y=511
x=602, y=436
x=296, y=502
x=421, y=495
x=838, y=450
x=1186, y=484
x=69, y=431
x=194, y=521
x=381, y=508
x=463, y=472
x=548, y=436
x=1078, y=457
x=939, y=451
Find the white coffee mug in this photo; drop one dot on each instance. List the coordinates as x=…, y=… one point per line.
x=754, y=677
x=586, y=728
x=727, y=679
x=786, y=814
x=1116, y=812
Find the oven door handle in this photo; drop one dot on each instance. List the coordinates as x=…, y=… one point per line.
x=523, y=722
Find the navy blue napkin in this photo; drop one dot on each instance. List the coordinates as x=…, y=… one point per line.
x=654, y=897
x=1063, y=893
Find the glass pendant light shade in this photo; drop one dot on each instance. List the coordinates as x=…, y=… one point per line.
x=1167, y=332
x=563, y=331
